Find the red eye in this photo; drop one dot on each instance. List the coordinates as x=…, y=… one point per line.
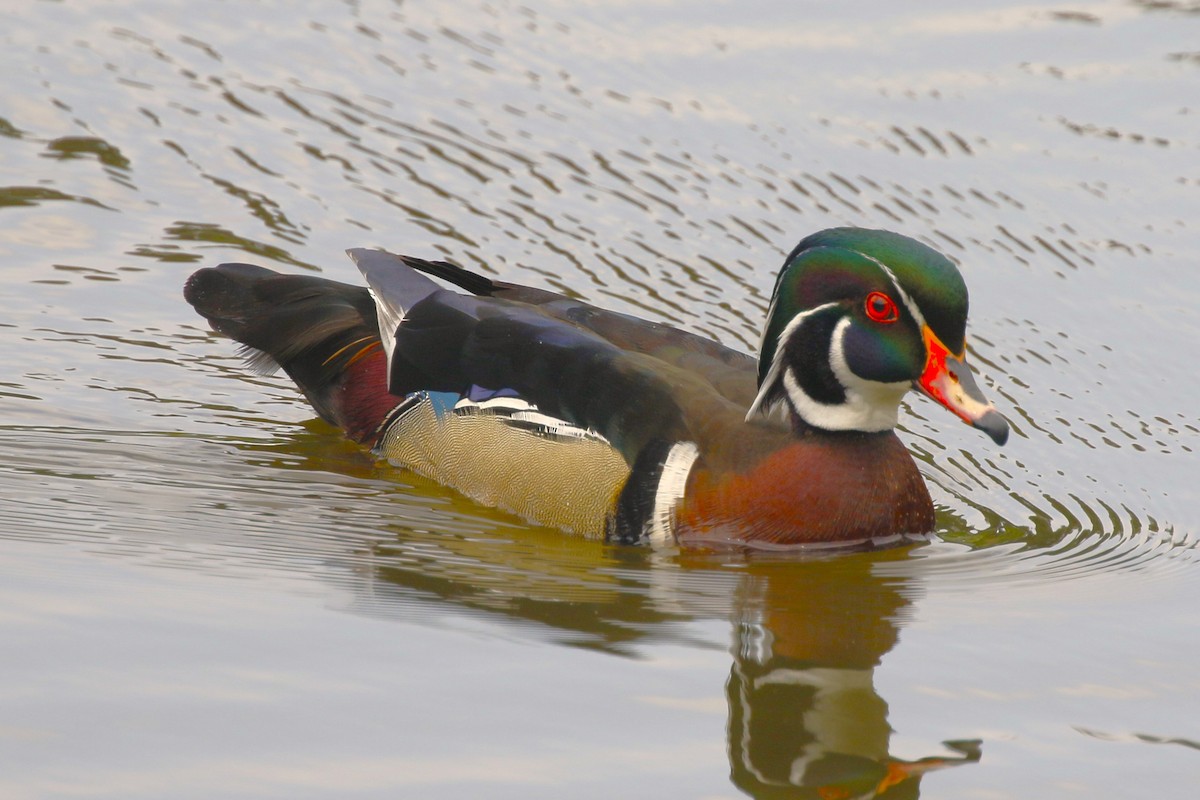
x=881, y=308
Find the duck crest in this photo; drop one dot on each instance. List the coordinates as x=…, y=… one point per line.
x=608, y=425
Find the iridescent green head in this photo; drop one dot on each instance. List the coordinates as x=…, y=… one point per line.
x=857, y=318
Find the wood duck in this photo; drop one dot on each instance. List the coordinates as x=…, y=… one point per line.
x=611, y=426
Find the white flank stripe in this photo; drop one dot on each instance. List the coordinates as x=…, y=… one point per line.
x=660, y=528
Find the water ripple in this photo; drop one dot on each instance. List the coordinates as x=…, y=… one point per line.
x=1139, y=550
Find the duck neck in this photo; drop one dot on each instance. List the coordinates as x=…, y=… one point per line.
x=802, y=428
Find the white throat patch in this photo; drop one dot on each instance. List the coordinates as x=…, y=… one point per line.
x=869, y=405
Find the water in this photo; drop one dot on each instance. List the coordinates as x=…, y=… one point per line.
x=208, y=594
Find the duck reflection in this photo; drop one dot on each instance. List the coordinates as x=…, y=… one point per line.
x=805, y=719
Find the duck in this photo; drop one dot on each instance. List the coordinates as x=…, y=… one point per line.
x=618, y=428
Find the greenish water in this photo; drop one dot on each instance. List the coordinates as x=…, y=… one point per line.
x=207, y=594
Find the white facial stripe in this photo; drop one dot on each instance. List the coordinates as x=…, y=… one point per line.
x=908, y=301
x=762, y=340
x=660, y=527
x=777, y=362
x=869, y=405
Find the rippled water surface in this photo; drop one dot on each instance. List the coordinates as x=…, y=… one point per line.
x=208, y=594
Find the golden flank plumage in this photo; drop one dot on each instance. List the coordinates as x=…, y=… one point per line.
x=487, y=458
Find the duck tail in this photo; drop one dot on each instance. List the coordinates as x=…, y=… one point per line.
x=322, y=333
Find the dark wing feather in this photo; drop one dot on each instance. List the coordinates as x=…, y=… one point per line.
x=478, y=284
x=566, y=371
x=731, y=373
x=448, y=341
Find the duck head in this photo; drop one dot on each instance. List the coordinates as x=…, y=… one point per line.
x=857, y=318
